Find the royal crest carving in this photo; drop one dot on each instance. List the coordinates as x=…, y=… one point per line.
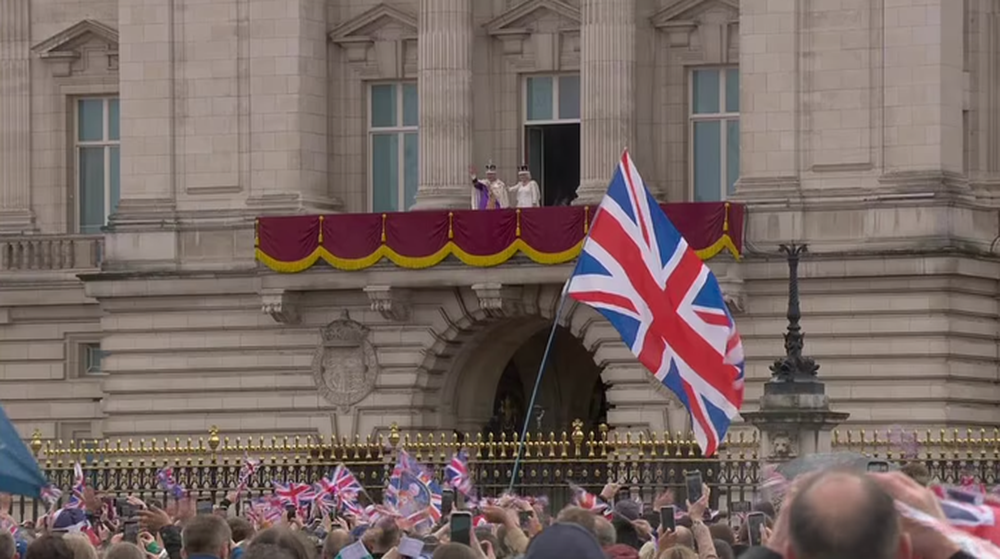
x=345, y=366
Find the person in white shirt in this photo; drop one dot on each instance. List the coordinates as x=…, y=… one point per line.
x=526, y=193
x=488, y=194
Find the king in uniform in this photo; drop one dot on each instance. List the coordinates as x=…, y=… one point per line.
x=488, y=194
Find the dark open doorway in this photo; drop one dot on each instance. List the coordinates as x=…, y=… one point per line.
x=554, y=159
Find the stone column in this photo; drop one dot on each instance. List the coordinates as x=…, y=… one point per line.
x=16, y=215
x=282, y=98
x=444, y=44
x=607, y=78
x=149, y=48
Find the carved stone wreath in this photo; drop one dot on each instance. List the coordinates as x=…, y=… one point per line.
x=345, y=366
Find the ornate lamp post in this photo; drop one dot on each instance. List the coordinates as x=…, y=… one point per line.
x=794, y=416
x=794, y=373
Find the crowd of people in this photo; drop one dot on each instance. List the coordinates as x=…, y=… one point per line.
x=835, y=514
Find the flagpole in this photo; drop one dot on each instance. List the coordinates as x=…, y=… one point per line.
x=538, y=382
x=545, y=359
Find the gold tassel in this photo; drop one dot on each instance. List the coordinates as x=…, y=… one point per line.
x=256, y=232
x=451, y=230
x=725, y=222
x=384, y=216
x=320, y=229
x=517, y=230
x=586, y=219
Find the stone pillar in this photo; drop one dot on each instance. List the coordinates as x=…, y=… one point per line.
x=924, y=95
x=607, y=82
x=769, y=118
x=16, y=215
x=444, y=45
x=282, y=99
x=794, y=418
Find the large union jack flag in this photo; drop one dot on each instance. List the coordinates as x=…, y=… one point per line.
x=640, y=273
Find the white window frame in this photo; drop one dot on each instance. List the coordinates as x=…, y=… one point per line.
x=107, y=143
x=722, y=117
x=399, y=130
x=555, y=99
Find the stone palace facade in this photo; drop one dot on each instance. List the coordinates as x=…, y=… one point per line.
x=141, y=139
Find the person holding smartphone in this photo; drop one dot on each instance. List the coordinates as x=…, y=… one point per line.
x=702, y=536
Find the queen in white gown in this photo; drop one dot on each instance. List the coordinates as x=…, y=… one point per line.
x=525, y=192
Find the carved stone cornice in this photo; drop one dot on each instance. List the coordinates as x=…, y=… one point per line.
x=556, y=39
x=379, y=43
x=498, y=300
x=393, y=304
x=280, y=305
x=63, y=49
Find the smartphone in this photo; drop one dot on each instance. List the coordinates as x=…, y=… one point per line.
x=524, y=516
x=880, y=466
x=459, y=501
x=461, y=527
x=132, y=532
x=410, y=547
x=754, y=521
x=668, y=518
x=694, y=485
x=447, y=499
x=205, y=507
x=742, y=506
x=127, y=510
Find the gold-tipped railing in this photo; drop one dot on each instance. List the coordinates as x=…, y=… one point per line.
x=646, y=462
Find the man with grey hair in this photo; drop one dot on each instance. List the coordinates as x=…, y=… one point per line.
x=604, y=530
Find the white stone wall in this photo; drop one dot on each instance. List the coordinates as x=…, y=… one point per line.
x=869, y=131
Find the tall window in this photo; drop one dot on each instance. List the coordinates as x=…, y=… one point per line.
x=97, y=162
x=552, y=99
x=715, y=132
x=392, y=132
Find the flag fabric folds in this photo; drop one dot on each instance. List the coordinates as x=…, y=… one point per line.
x=19, y=472
x=456, y=473
x=640, y=273
x=412, y=492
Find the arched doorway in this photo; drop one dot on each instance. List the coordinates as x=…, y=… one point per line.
x=571, y=387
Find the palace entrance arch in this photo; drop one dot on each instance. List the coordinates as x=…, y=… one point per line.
x=571, y=387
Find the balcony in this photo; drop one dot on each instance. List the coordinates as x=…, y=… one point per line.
x=46, y=253
x=486, y=238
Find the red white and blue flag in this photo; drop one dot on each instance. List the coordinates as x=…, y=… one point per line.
x=294, y=494
x=640, y=273
x=456, y=473
x=75, y=500
x=342, y=488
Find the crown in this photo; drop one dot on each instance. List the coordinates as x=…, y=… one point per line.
x=490, y=166
x=522, y=169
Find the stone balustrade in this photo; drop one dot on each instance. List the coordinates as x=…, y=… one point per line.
x=50, y=252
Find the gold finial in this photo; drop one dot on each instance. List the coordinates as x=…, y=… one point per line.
x=394, y=435
x=36, y=442
x=577, y=432
x=213, y=438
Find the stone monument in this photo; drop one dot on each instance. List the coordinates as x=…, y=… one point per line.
x=794, y=418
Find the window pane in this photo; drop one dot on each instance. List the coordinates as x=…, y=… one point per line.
x=91, y=194
x=91, y=120
x=94, y=356
x=732, y=91
x=410, y=104
x=114, y=120
x=732, y=155
x=410, y=169
x=707, y=163
x=385, y=172
x=383, y=105
x=115, y=177
x=569, y=97
x=705, y=91
x=539, y=99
